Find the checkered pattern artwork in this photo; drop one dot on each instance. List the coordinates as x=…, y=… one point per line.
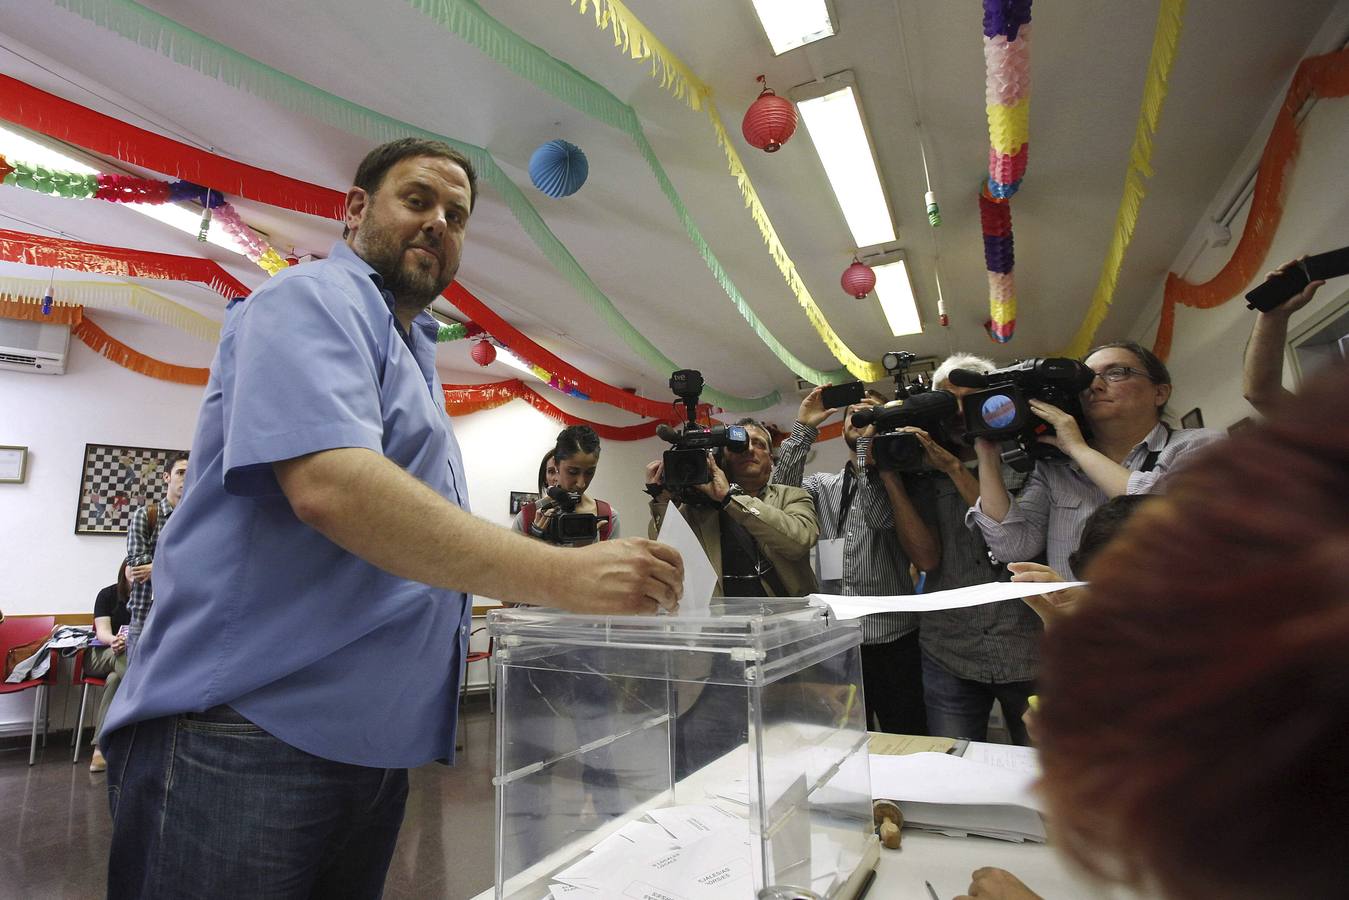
x=117, y=480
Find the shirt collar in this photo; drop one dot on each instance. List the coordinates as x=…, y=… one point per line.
x=424, y=322
x=1156, y=439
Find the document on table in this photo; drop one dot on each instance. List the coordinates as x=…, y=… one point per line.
x=850, y=607
x=900, y=744
x=700, y=579
x=1005, y=756
x=942, y=778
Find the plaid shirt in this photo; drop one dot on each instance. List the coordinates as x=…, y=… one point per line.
x=140, y=550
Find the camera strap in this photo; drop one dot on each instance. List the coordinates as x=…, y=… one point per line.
x=1150, y=461
x=849, y=489
x=751, y=548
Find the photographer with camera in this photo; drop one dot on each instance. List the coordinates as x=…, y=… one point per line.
x=566, y=515
x=870, y=530
x=1131, y=451
x=757, y=535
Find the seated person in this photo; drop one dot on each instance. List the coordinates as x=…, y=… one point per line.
x=1193, y=713
x=1130, y=451
x=111, y=620
x=547, y=471
x=576, y=457
x=757, y=535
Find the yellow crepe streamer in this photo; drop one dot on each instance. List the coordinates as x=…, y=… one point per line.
x=1164, y=41
x=1009, y=126
x=115, y=295
x=635, y=39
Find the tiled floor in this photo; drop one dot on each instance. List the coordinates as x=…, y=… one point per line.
x=55, y=831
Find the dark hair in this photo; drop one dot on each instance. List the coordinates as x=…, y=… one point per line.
x=575, y=439
x=377, y=163
x=175, y=459
x=1195, y=708
x=1102, y=526
x=123, y=585
x=749, y=422
x=543, y=469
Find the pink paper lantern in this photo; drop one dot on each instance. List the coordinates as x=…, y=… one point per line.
x=858, y=279
x=769, y=121
x=483, y=353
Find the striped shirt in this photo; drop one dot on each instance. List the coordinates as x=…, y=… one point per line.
x=141, y=542
x=874, y=564
x=1047, y=517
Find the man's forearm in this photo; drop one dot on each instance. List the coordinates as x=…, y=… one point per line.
x=1262, y=373
x=915, y=538
x=370, y=507
x=967, y=486
x=995, y=502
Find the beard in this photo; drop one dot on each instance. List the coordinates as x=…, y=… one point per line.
x=411, y=284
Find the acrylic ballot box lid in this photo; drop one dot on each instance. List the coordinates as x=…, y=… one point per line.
x=716, y=755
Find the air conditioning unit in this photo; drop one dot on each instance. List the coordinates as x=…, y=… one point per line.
x=33, y=347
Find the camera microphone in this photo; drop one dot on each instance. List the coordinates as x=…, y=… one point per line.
x=864, y=417
x=667, y=434
x=968, y=378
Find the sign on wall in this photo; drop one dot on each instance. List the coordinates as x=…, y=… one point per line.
x=117, y=480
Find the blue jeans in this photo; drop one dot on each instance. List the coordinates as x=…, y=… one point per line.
x=958, y=707
x=208, y=805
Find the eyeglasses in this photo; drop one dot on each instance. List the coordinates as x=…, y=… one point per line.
x=1116, y=374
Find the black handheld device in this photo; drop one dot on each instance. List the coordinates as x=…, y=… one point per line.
x=1281, y=288
x=839, y=395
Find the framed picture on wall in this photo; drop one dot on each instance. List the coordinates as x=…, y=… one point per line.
x=1192, y=419
x=115, y=481
x=519, y=499
x=13, y=464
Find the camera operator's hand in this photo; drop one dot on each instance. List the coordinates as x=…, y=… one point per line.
x=812, y=411
x=655, y=474
x=1292, y=304
x=1052, y=606
x=631, y=575
x=1067, y=435
x=938, y=457
x=720, y=485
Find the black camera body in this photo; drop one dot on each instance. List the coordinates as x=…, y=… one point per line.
x=685, y=464
x=566, y=526
x=1002, y=411
x=898, y=450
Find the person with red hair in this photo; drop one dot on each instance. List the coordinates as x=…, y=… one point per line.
x=1194, y=715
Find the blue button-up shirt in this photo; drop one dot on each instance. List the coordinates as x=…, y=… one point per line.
x=255, y=609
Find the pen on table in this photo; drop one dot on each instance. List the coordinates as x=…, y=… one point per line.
x=932, y=892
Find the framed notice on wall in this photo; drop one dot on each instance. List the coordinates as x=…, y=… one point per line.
x=117, y=480
x=13, y=464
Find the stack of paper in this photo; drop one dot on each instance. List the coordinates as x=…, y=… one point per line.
x=951, y=795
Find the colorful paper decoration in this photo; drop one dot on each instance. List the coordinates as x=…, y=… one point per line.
x=465, y=399
x=558, y=168
x=858, y=279
x=108, y=295
x=483, y=353
x=770, y=120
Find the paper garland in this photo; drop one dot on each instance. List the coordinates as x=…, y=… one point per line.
x=181, y=44
x=463, y=399
x=472, y=24
x=111, y=295
x=1165, y=38
x=1318, y=76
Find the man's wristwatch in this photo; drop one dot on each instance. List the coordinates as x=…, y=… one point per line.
x=731, y=493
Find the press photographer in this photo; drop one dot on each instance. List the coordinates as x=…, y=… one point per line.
x=1130, y=451
x=566, y=515
x=758, y=536
x=871, y=529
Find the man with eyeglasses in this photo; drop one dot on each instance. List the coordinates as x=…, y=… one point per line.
x=1131, y=451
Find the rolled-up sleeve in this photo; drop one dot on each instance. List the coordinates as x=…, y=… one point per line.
x=305, y=378
x=1023, y=532
x=1180, y=451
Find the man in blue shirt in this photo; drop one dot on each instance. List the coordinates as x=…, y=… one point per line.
x=312, y=603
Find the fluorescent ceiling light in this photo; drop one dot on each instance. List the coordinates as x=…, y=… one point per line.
x=17, y=147
x=515, y=362
x=791, y=23
x=895, y=292
x=835, y=124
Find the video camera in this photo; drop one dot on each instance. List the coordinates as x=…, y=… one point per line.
x=566, y=526
x=920, y=407
x=685, y=464
x=1002, y=412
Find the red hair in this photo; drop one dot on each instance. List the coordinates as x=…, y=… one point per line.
x=1195, y=718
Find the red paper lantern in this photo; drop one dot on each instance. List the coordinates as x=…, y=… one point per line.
x=858, y=279
x=769, y=121
x=483, y=353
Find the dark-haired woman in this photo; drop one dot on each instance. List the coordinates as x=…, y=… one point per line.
x=111, y=619
x=577, y=457
x=1131, y=451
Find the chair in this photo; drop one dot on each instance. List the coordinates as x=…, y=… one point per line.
x=15, y=632
x=473, y=657
x=80, y=677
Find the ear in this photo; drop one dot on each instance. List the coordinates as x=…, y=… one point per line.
x=358, y=200
x=1163, y=395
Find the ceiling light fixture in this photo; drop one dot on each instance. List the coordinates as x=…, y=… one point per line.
x=793, y=23
x=16, y=146
x=894, y=290
x=833, y=116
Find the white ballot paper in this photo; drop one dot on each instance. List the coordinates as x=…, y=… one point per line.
x=850, y=607
x=942, y=778
x=700, y=579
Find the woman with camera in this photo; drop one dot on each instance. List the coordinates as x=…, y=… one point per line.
x=576, y=457
x=1130, y=451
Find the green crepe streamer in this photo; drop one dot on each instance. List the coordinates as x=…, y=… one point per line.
x=448, y=333
x=158, y=33
x=71, y=185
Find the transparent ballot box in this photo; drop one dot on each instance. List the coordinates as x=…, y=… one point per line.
x=681, y=757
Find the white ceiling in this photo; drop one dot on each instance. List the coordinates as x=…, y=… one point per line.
x=1088, y=61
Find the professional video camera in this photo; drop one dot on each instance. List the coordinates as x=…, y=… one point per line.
x=920, y=406
x=1002, y=412
x=566, y=526
x=685, y=464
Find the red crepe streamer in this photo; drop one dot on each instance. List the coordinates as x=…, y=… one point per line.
x=130, y=189
x=486, y=396
x=76, y=256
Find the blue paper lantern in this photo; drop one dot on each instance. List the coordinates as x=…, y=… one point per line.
x=558, y=168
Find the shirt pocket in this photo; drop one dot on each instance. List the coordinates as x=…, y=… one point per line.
x=1064, y=515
